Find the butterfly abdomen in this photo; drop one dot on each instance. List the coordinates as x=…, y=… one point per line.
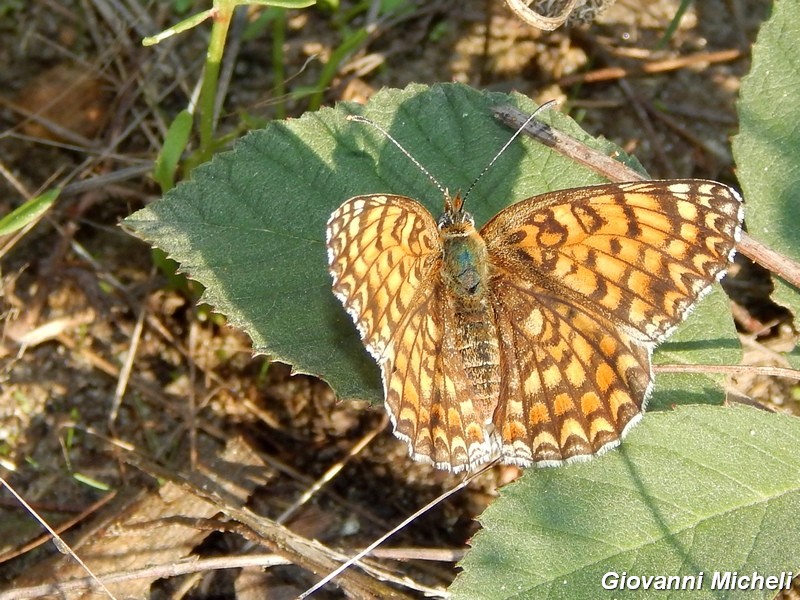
x=465, y=272
x=476, y=341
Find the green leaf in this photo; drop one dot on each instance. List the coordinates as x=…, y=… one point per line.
x=699, y=489
x=767, y=149
x=29, y=212
x=250, y=225
x=707, y=337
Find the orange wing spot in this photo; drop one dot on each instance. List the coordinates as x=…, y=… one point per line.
x=575, y=372
x=394, y=281
x=655, y=220
x=690, y=232
x=562, y=267
x=604, y=376
x=467, y=410
x=514, y=410
x=680, y=188
x=613, y=297
x=580, y=347
x=640, y=283
x=658, y=239
x=611, y=269
x=615, y=226
x=584, y=281
x=687, y=210
x=652, y=261
x=590, y=402
x=550, y=239
x=562, y=403
x=475, y=433
x=677, y=249
x=608, y=345
x=513, y=430
x=538, y=414
x=534, y=323
x=533, y=384
x=640, y=311
x=552, y=376
x=453, y=419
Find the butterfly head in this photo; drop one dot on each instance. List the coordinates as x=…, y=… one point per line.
x=455, y=219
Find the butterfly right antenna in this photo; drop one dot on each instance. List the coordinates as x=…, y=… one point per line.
x=542, y=107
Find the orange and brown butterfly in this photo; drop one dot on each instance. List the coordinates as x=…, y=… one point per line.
x=529, y=340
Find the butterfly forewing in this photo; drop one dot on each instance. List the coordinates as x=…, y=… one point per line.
x=381, y=250
x=639, y=253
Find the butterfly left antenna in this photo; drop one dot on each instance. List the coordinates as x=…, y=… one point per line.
x=360, y=119
x=522, y=127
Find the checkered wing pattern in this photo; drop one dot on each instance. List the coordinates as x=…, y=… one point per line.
x=587, y=281
x=531, y=340
x=640, y=254
x=573, y=382
x=385, y=257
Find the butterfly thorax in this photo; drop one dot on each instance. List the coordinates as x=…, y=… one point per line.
x=465, y=274
x=464, y=259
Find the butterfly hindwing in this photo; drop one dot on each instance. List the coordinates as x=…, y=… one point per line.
x=428, y=392
x=572, y=383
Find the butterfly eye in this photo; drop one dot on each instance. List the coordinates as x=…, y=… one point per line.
x=454, y=217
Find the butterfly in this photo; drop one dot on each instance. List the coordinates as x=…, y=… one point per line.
x=531, y=340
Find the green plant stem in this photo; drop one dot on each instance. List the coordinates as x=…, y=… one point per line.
x=278, y=71
x=673, y=25
x=208, y=92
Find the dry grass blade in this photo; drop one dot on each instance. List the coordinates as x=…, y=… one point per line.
x=351, y=561
x=657, y=66
x=62, y=546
